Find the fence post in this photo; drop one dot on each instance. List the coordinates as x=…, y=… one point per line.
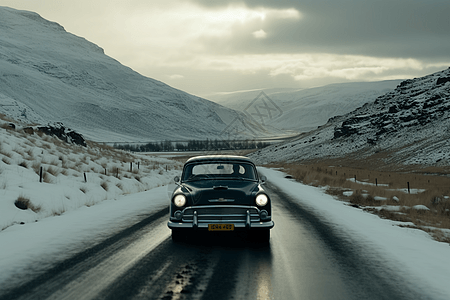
x=85, y=179
x=376, y=181
x=409, y=191
x=40, y=174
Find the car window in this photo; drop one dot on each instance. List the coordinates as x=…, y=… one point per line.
x=219, y=171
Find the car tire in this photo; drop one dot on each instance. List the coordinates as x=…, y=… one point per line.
x=177, y=235
x=261, y=236
x=265, y=236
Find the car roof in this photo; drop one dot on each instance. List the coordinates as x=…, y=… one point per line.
x=214, y=158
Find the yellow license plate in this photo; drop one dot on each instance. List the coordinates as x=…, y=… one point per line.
x=220, y=227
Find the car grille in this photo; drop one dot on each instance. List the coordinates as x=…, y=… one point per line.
x=221, y=214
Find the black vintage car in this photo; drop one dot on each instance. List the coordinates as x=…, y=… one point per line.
x=220, y=193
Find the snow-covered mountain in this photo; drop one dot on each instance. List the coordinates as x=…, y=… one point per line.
x=302, y=110
x=409, y=125
x=50, y=75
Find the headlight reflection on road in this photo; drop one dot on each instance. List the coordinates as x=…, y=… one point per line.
x=264, y=280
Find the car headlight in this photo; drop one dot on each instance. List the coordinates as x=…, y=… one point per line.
x=179, y=200
x=261, y=200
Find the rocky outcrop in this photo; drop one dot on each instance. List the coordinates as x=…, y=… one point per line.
x=410, y=125
x=442, y=80
x=63, y=133
x=415, y=102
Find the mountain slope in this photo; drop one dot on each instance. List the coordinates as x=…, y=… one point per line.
x=306, y=109
x=408, y=126
x=49, y=75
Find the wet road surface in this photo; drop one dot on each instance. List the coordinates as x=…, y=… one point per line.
x=306, y=259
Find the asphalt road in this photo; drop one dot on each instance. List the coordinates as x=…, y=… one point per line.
x=306, y=259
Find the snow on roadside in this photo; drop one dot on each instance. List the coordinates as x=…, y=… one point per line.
x=34, y=246
x=87, y=193
x=412, y=252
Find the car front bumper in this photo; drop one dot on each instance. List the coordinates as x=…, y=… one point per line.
x=242, y=217
x=237, y=226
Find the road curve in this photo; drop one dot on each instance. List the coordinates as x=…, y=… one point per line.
x=306, y=259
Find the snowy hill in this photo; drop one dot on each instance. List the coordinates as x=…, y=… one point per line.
x=409, y=125
x=73, y=176
x=50, y=75
x=306, y=109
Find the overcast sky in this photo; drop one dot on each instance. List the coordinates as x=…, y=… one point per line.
x=206, y=46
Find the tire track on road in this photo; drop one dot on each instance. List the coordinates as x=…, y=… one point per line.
x=71, y=270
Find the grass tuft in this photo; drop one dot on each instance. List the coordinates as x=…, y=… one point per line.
x=25, y=203
x=104, y=185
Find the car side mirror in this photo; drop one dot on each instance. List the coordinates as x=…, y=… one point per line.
x=177, y=180
x=263, y=179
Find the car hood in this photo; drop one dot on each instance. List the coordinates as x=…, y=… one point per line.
x=219, y=192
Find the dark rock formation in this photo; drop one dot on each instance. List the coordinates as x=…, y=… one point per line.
x=442, y=80
x=63, y=133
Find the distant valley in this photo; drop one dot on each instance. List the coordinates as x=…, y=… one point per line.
x=306, y=109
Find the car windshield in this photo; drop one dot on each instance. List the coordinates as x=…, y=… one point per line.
x=219, y=170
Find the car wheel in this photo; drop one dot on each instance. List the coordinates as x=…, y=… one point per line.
x=177, y=235
x=261, y=236
x=265, y=236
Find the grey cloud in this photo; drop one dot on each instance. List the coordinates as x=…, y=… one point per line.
x=395, y=28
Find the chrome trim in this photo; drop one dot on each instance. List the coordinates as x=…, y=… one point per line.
x=247, y=221
x=221, y=200
x=243, y=217
x=195, y=219
x=237, y=226
x=221, y=214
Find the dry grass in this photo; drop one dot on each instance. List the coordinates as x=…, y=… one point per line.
x=30, y=154
x=6, y=118
x=25, y=203
x=104, y=185
x=36, y=167
x=6, y=160
x=46, y=177
x=432, y=191
x=58, y=159
x=53, y=171
x=8, y=154
x=58, y=212
x=6, y=126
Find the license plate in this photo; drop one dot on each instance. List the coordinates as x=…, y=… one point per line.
x=220, y=227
